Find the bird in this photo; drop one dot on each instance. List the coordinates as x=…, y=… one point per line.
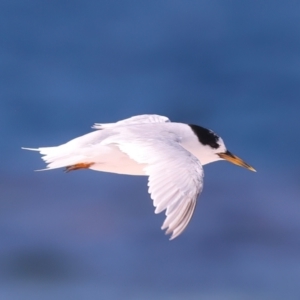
x=171, y=154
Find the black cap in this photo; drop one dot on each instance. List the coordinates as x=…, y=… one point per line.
x=205, y=136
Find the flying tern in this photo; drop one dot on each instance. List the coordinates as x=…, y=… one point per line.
x=171, y=154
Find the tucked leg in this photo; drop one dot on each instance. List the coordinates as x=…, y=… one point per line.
x=78, y=166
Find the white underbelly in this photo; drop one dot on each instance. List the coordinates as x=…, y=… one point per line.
x=115, y=161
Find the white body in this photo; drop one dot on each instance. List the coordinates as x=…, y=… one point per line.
x=103, y=147
x=169, y=153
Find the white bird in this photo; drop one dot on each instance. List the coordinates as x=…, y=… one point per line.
x=170, y=154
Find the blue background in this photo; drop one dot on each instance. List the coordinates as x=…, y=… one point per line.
x=232, y=66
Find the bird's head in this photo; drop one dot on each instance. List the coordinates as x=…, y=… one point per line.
x=214, y=149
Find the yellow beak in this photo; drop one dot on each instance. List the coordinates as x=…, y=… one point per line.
x=235, y=160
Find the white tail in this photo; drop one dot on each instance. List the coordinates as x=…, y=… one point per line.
x=57, y=157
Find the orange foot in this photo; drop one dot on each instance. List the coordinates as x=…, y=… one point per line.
x=78, y=166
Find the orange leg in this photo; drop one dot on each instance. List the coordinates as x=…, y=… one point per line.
x=78, y=166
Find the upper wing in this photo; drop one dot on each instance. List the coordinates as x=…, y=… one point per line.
x=175, y=179
x=134, y=120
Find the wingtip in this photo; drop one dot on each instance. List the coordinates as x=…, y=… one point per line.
x=168, y=231
x=173, y=236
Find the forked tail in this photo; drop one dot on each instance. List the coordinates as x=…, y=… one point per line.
x=61, y=157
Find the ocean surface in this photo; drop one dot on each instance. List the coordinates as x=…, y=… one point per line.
x=231, y=66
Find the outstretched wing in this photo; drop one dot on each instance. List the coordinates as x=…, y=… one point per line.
x=142, y=119
x=175, y=179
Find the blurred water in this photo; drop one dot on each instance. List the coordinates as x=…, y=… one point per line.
x=230, y=66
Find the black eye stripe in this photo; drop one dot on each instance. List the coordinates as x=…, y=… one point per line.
x=206, y=136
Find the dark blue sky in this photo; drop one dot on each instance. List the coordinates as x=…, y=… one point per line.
x=232, y=66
